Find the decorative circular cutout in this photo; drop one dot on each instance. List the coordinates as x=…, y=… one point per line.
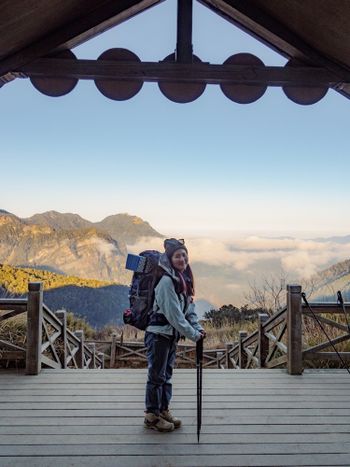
x=303, y=95
x=52, y=86
x=243, y=93
x=119, y=90
x=181, y=92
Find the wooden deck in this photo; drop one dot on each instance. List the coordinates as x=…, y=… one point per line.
x=250, y=418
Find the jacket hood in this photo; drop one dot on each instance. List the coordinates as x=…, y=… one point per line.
x=165, y=264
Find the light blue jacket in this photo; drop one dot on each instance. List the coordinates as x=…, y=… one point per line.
x=176, y=308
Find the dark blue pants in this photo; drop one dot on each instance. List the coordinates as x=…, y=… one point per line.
x=161, y=354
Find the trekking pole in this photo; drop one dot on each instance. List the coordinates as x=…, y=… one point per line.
x=341, y=302
x=199, y=361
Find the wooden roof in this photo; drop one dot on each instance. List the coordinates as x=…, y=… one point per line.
x=315, y=31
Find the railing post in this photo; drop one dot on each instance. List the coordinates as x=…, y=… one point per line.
x=242, y=353
x=228, y=359
x=294, y=328
x=219, y=356
x=263, y=340
x=113, y=347
x=79, y=356
x=34, y=328
x=101, y=356
x=92, y=347
x=62, y=316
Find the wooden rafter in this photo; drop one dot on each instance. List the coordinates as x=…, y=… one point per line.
x=94, y=21
x=277, y=36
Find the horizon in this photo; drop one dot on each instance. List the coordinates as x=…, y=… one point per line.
x=214, y=232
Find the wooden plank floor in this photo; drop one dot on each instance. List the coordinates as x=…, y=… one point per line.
x=250, y=418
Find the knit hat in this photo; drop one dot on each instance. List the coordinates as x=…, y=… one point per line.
x=171, y=245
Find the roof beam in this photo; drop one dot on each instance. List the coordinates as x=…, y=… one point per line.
x=107, y=14
x=195, y=72
x=265, y=28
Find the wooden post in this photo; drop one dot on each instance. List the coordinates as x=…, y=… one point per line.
x=184, y=31
x=228, y=359
x=294, y=328
x=101, y=356
x=62, y=316
x=79, y=356
x=113, y=347
x=92, y=347
x=219, y=355
x=263, y=340
x=34, y=328
x=242, y=353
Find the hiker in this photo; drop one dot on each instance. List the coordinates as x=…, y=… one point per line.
x=173, y=317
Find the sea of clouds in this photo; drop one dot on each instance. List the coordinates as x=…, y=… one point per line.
x=225, y=268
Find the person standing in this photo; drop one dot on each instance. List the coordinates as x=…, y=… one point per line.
x=173, y=317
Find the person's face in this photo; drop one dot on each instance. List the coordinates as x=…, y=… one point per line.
x=180, y=260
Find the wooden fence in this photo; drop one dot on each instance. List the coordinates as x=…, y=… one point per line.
x=277, y=342
x=120, y=353
x=49, y=343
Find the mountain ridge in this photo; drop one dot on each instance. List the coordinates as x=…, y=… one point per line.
x=68, y=244
x=99, y=303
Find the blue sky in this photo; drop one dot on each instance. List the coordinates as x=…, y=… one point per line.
x=211, y=165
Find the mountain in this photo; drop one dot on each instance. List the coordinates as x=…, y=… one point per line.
x=82, y=252
x=127, y=228
x=59, y=221
x=337, y=239
x=100, y=303
x=330, y=280
x=202, y=306
x=68, y=244
x=121, y=227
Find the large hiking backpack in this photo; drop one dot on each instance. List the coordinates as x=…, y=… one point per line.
x=147, y=274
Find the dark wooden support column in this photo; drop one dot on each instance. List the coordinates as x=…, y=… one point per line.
x=184, y=48
x=263, y=340
x=294, y=328
x=34, y=328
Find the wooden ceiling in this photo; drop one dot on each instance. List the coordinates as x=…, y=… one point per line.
x=314, y=31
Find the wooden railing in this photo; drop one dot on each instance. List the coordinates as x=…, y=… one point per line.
x=49, y=343
x=278, y=341
x=135, y=353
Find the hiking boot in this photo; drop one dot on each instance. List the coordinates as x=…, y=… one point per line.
x=168, y=416
x=154, y=422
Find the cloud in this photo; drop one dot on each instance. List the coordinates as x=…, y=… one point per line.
x=238, y=262
x=298, y=256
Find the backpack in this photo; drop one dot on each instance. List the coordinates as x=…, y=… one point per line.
x=147, y=274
